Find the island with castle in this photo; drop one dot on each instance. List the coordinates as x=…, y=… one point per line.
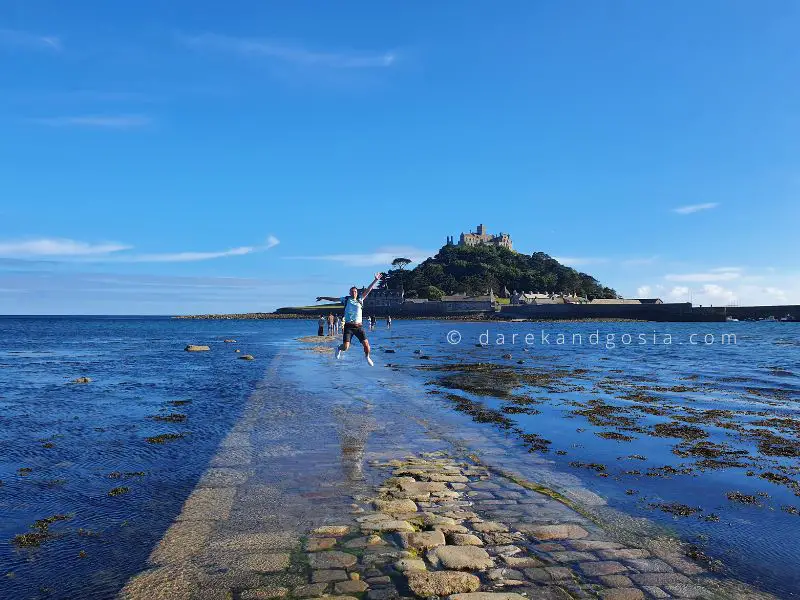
x=482, y=277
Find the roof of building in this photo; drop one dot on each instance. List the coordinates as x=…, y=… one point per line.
x=615, y=301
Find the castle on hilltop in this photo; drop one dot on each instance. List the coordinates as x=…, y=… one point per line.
x=476, y=238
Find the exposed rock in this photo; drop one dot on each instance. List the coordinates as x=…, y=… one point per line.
x=488, y=596
x=333, y=530
x=441, y=583
x=264, y=593
x=350, y=587
x=463, y=539
x=82, y=380
x=395, y=506
x=328, y=575
x=555, y=532
x=603, y=567
x=332, y=559
x=265, y=563
x=317, y=544
x=399, y=526
x=421, y=487
x=310, y=591
x=195, y=348
x=525, y=562
x=247, y=357
x=422, y=540
x=229, y=341
x=363, y=542
x=386, y=593
x=489, y=526
x=622, y=594
x=460, y=557
x=410, y=564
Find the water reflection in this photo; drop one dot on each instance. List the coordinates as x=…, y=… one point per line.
x=354, y=426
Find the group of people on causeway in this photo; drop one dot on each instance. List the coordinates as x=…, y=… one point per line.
x=351, y=324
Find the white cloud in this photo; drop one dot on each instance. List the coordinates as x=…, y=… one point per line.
x=290, y=53
x=270, y=242
x=713, y=275
x=679, y=293
x=23, y=39
x=644, y=291
x=381, y=257
x=54, y=247
x=185, y=256
x=716, y=294
x=99, y=122
x=693, y=208
x=111, y=252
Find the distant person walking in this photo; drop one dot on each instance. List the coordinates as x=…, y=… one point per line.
x=372, y=322
x=337, y=323
x=321, y=326
x=330, y=324
x=353, y=308
x=388, y=322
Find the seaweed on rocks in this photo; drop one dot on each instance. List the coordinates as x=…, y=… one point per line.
x=771, y=444
x=41, y=532
x=742, y=498
x=675, y=429
x=593, y=466
x=170, y=418
x=614, y=435
x=479, y=412
x=535, y=442
x=164, y=438
x=675, y=508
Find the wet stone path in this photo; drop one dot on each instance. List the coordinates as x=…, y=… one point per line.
x=309, y=497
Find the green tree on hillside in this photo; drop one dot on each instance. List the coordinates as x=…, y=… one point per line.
x=475, y=269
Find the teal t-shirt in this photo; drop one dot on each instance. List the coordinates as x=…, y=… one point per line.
x=352, y=309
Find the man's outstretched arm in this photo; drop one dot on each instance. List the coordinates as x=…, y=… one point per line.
x=371, y=285
x=329, y=298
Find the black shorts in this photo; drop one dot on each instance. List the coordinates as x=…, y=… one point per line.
x=350, y=330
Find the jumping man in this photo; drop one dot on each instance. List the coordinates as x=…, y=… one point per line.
x=353, y=305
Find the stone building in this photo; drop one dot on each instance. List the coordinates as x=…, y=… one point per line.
x=383, y=299
x=476, y=238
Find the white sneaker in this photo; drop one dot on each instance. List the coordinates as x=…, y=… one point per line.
x=338, y=353
x=369, y=362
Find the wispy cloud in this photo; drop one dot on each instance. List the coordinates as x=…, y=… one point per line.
x=270, y=242
x=270, y=49
x=22, y=39
x=75, y=251
x=56, y=247
x=381, y=257
x=693, y=208
x=98, y=122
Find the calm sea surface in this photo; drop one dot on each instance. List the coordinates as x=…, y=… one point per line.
x=699, y=434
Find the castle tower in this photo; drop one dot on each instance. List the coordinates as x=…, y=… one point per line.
x=481, y=230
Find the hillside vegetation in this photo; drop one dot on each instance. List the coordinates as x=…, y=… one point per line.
x=475, y=269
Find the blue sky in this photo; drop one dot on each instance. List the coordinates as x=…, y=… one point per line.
x=211, y=157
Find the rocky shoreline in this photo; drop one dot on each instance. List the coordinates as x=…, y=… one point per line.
x=440, y=527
